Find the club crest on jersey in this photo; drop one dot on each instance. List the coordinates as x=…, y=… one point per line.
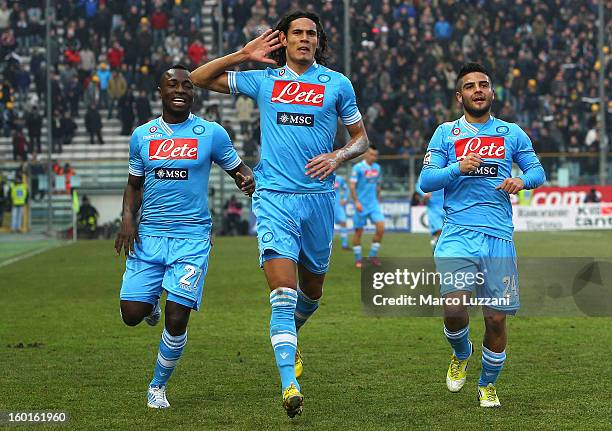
x=502, y=130
x=324, y=78
x=281, y=72
x=152, y=129
x=456, y=131
x=487, y=147
x=171, y=174
x=174, y=149
x=298, y=93
x=198, y=130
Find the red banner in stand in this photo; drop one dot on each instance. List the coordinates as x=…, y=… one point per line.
x=564, y=196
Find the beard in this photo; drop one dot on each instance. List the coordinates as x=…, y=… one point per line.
x=478, y=112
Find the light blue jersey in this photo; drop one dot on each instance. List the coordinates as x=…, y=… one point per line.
x=175, y=160
x=342, y=194
x=435, y=208
x=367, y=180
x=342, y=190
x=471, y=200
x=298, y=119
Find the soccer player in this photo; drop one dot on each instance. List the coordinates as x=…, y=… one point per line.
x=170, y=160
x=299, y=104
x=471, y=159
x=342, y=195
x=435, y=212
x=365, y=192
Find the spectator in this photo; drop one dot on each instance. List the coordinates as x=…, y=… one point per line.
x=173, y=46
x=126, y=113
x=232, y=221
x=102, y=22
x=73, y=95
x=93, y=124
x=91, y=96
x=37, y=170
x=68, y=128
x=19, y=146
x=3, y=198
x=68, y=173
x=143, y=108
x=244, y=111
x=592, y=197
x=104, y=76
x=5, y=14
x=159, y=24
x=34, y=126
x=19, y=198
x=117, y=86
x=146, y=81
x=87, y=219
x=8, y=119
x=88, y=62
x=115, y=55
x=197, y=53
x=56, y=133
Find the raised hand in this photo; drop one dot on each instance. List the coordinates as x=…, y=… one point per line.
x=259, y=48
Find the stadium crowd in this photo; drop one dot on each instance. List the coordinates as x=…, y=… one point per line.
x=105, y=55
x=405, y=54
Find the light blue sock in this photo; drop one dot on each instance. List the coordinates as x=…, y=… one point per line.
x=492, y=364
x=459, y=340
x=344, y=236
x=357, y=252
x=304, y=308
x=170, y=351
x=283, y=334
x=374, y=249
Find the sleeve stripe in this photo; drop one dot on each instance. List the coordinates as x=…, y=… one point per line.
x=136, y=172
x=232, y=165
x=352, y=119
x=231, y=82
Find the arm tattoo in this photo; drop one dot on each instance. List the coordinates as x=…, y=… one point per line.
x=355, y=147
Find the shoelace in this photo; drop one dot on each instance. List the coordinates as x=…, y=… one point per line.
x=490, y=393
x=158, y=394
x=455, y=367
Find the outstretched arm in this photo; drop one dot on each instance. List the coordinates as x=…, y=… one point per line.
x=213, y=75
x=324, y=164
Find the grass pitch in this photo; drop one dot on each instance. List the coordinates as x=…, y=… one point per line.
x=63, y=347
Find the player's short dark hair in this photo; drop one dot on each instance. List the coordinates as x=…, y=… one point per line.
x=373, y=147
x=469, y=68
x=174, y=66
x=280, y=56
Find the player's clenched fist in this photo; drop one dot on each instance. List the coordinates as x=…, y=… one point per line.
x=511, y=185
x=469, y=163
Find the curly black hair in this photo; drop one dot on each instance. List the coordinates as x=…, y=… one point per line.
x=283, y=25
